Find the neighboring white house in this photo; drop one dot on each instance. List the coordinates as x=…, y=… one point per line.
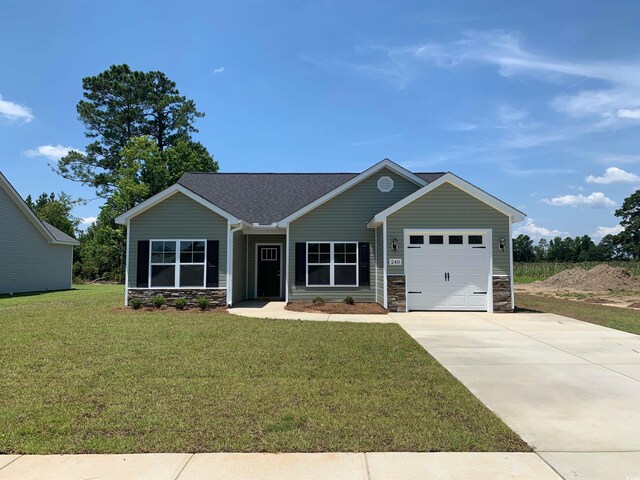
x=34, y=256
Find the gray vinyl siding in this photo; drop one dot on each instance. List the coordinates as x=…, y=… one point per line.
x=345, y=218
x=178, y=217
x=449, y=207
x=251, y=256
x=239, y=292
x=380, y=264
x=28, y=262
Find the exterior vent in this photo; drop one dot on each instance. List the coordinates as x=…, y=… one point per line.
x=385, y=184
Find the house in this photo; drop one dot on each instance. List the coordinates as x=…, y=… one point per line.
x=409, y=241
x=34, y=255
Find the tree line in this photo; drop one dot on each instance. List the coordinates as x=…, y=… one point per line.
x=623, y=246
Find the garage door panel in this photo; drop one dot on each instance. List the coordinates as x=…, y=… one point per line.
x=428, y=302
x=478, y=301
x=458, y=301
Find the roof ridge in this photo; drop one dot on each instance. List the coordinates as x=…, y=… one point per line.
x=271, y=173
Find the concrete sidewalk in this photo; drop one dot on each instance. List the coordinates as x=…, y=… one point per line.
x=286, y=466
x=276, y=311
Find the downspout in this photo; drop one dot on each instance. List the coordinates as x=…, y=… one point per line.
x=232, y=230
x=126, y=273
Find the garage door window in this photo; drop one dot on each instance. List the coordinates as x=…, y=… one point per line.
x=332, y=264
x=436, y=239
x=455, y=239
x=416, y=239
x=475, y=239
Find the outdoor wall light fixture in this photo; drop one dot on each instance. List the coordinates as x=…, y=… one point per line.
x=501, y=245
x=394, y=244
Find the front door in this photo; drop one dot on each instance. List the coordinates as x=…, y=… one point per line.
x=268, y=270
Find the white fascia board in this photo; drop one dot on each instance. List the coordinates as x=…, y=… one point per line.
x=168, y=192
x=22, y=205
x=386, y=163
x=514, y=214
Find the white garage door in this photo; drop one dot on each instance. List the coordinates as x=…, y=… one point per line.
x=447, y=270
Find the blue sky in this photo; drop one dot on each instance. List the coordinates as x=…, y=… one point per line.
x=536, y=102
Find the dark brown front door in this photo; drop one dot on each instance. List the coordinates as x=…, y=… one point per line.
x=269, y=271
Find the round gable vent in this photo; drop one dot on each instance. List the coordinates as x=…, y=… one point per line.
x=385, y=184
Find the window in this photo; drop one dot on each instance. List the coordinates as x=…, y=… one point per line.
x=332, y=264
x=475, y=239
x=416, y=239
x=172, y=269
x=268, y=254
x=455, y=239
x=436, y=239
x=385, y=184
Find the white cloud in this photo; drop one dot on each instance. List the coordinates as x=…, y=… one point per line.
x=88, y=221
x=510, y=115
x=218, y=70
x=614, y=175
x=14, y=111
x=629, y=113
x=52, y=152
x=525, y=172
x=376, y=140
x=463, y=127
x=535, y=231
x=602, y=232
x=593, y=200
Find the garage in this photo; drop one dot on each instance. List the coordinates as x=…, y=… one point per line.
x=448, y=269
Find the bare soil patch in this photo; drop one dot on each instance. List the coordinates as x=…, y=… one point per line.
x=603, y=284
x=600, y=278
x=358, y=308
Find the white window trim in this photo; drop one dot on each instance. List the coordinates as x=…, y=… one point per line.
x=177, y=264
x=332, y=264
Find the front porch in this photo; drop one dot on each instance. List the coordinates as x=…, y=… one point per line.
x=259, y=263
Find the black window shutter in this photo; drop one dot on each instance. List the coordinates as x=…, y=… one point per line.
x=363, y=263
x=213, y=248
x=142, y=275
x=301, y=263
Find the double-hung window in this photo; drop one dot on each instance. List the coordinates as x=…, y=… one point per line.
x=177, y=263
x=332, y=264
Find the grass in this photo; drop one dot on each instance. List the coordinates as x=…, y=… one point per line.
x=627, y=320
x=81, y=374
x=534, y=271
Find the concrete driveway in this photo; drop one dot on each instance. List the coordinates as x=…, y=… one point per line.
x=570, y=389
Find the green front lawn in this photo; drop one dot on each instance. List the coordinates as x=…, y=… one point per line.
x=624, y=319
x=81, y=374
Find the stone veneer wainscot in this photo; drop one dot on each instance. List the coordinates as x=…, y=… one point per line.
x=217, y=297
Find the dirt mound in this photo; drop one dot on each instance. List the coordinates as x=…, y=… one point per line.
x=600, y=278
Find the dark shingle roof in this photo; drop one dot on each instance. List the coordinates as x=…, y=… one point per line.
x=59, y=235
x=266, y=198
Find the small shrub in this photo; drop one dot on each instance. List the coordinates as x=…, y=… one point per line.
x=203, y=303
x=318, y=301
x=349, y=301
x=180, y=303
x=135, y=303
x=159, y=301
